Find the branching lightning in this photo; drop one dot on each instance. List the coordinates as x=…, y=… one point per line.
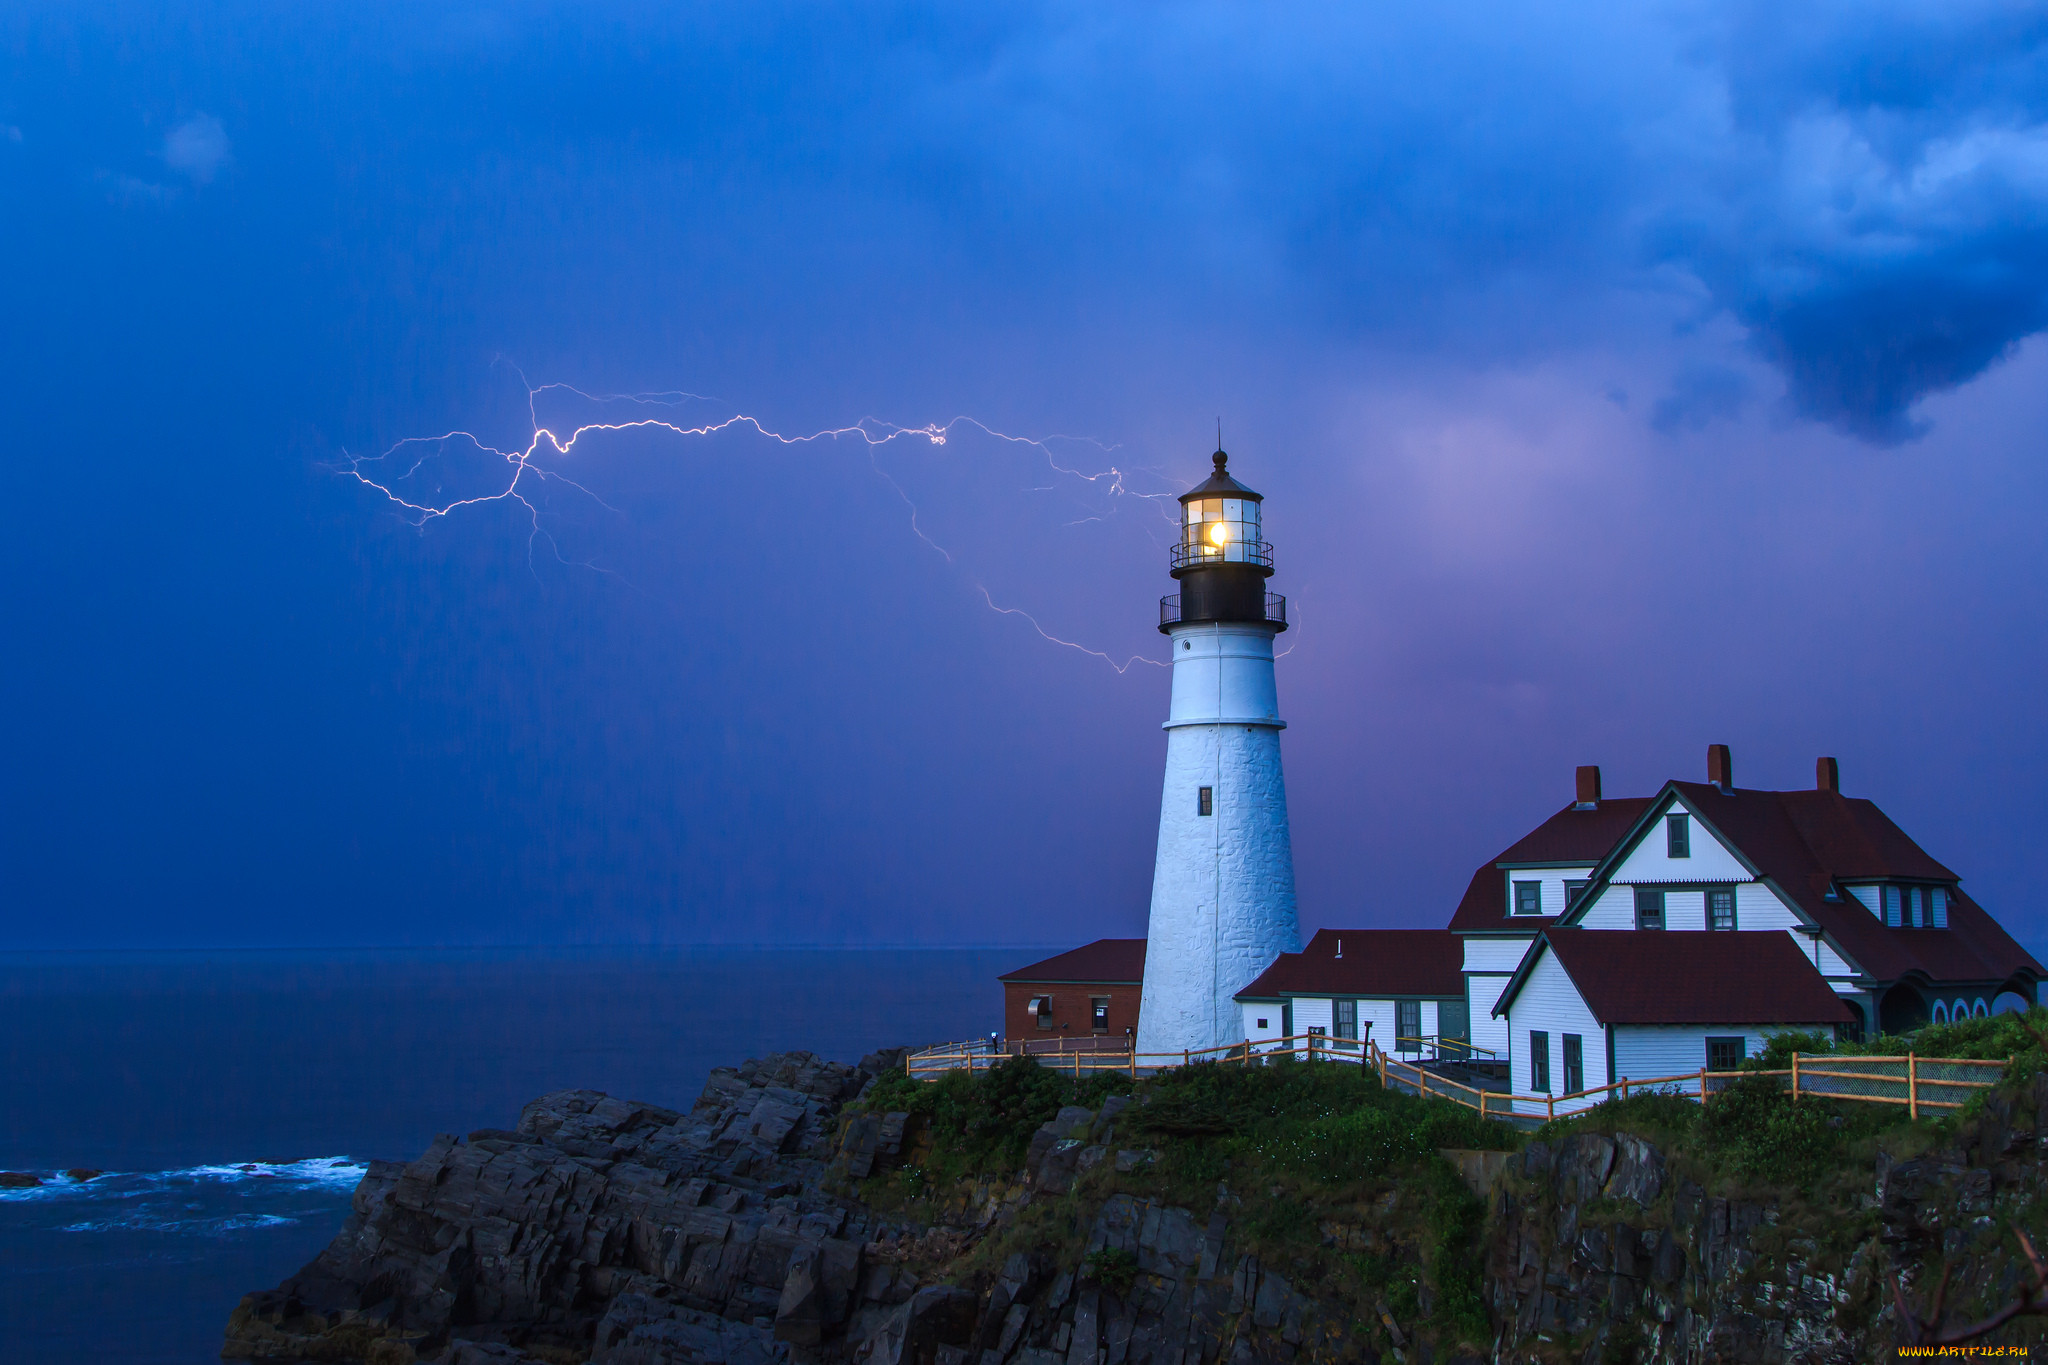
x=532, y=465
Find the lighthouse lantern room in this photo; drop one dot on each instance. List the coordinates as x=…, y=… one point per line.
x=1223, y=884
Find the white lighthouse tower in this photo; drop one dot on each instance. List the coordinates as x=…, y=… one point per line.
x=1223, y=887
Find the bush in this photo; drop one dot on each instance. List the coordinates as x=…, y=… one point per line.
x=982, y=1122
x=1756, y=1129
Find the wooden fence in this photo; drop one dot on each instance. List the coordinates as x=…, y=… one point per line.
x=1919, y=1083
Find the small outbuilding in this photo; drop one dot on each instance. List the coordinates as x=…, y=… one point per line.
x=1589, y=1007
x=1079, y=1000
x=1403, y=987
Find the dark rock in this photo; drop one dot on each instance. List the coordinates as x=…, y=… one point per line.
x=82, y=1174
x=18, y=1180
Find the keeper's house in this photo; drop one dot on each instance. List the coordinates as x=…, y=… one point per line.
x=1078, y=999
x=1590, y=1008
x=1396, y=986
x=1866, y=913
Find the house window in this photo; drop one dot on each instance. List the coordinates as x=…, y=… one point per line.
x=1407, y=1025
x=1572, y=892
x=1539, y=1061
x=1528, y=898
x=1574, y=1064
x=1347, y=1018
x=1205, y=800
x=1649, y=909
x=1098, y=1014
x=1725, y=1054
x=1891, y=906
x=1720, y=907
x=1677, y=836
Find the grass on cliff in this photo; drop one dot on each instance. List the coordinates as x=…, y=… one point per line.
x=1324, y=1174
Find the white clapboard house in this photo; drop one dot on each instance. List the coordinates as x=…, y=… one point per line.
x=1619, y=923
x=1403, y=988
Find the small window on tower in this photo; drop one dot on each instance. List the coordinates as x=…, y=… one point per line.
x=1205, y=800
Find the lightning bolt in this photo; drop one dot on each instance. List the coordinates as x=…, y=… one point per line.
x=528, y=468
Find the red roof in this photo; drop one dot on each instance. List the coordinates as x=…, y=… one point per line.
x=1377, y=964
x=1807, y=841
x=1105, y=961
x=1570, y=836
x=1649, y=977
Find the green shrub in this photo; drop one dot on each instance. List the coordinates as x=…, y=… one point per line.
x=1114, y=1269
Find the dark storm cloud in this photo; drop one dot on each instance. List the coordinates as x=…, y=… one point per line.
x=1877, y=210
x=1865, y=190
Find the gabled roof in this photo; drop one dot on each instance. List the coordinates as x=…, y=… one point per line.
x=1377, y=964
x=1805, y=842
x=1570, y=836
x=1107, y=961
x=1669, y=977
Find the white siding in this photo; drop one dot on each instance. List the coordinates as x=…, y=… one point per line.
x=1552, y=879
x=1833, y=962
x=1496, y=954
x=1868, y=895
x=1481, y=994
x=1310, y=1014
x=1643, y=1053
x=1758, y=907
x=1711, y=861
x=1268, y=1010
x=1686, y=910
x=1380, y=1014
x=1548, y=1001
x=1616, y=909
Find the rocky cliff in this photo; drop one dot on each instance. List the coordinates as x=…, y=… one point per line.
x=626, y=1234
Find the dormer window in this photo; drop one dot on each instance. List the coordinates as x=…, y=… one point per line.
x=1677, y=836
x=1913, y=907
x=1572, y=892
x=1528, y=898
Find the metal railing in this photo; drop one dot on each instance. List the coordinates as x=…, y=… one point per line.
x=1199, y=553
x=1169, y=609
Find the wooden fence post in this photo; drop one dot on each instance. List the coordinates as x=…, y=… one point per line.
x=1912, y=1087
x=1703, y=1085
x=1795, y=1075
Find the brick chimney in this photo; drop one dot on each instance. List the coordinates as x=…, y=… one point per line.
x=1827, y=775
x=1589, y=786
x=1720, y=769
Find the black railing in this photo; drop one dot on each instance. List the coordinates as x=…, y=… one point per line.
x=1197, y=554
x=1169, y=609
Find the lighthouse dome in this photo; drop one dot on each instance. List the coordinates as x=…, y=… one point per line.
x=1220, y=524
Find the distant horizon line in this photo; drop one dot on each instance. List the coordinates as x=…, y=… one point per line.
x=750, y=946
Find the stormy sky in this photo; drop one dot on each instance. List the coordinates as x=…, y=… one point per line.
x=1621, y=379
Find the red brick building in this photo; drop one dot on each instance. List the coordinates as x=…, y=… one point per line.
x=1083, y=999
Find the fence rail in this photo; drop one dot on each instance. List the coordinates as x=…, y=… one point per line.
x=1933, y=1083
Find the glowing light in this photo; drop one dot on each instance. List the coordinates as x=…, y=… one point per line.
x=1219, y=532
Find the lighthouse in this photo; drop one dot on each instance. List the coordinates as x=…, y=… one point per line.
x=1223, y=886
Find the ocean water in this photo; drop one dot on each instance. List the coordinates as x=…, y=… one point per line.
x=231, y=1099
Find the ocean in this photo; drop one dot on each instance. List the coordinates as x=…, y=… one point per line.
x=231, y=1098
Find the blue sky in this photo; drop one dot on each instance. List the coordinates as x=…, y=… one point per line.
x=1621, y=380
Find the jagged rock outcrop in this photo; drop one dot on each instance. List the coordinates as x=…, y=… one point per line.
x=604, y=1231
x=597, y=1229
